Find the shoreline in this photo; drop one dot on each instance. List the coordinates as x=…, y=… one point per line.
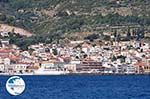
x=79, y=74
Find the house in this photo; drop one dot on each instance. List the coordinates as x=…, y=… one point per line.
x=5, y=53
x=147, y=69
x=120, y=69
x=130, y=69
x=70, y=67
x=33, y=67
x=7, y=61
x=1, y=60
x=128, y=60
x=37, y=46
x=76, y=42
x=20, y=67
x=2, y=68
x=43, y=56
x=25, y=53
x=4, y=34
x=25, y=59
x=126, y=69
x=139, y=65
x=147, y=66
x=59, y=65
x=47, y=64
x=86, y=46
x=7, y=64
x=4, y=42
x=88, y=66
x=109, y=68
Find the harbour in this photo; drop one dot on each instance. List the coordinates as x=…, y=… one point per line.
x=82, y=87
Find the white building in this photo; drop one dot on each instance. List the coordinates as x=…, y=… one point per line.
x=2, y=67
x=20, y=67
x=130, y=69
x=4, y=34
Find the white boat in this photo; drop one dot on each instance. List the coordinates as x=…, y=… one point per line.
x=46, y=71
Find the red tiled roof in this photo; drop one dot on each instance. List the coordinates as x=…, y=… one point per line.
x=5, y=51
x=4, y=56
x=33, y=67
x=13, y=58
x=140, y=64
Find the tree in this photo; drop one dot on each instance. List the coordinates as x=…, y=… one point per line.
x=128, y=34
x=92, y=37
x=4, y=0
x=113, y=58
x=115, y=34
x=18, y=4
x=134, y=33
x=118, y=38
x=3, y=17
x=140, y=33
x=55, y=52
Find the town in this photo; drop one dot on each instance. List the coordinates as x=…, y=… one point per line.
x=75, y=57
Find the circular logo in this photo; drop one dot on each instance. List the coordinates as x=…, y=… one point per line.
x=15, y=85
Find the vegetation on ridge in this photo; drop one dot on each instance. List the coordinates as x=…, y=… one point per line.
x=51, y=19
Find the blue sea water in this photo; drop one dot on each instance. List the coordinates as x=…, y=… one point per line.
x=82, y=87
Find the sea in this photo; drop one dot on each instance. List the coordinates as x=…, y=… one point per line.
x=81, y=87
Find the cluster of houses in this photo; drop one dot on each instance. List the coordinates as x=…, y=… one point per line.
x=101, y=57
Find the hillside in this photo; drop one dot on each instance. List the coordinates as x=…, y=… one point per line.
x=68, y=18
x=7, y=28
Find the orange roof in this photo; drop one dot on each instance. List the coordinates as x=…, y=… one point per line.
x=140, y=64
x=5, y=51
x=4, y=56
x=13, y=58
x=33, y=67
